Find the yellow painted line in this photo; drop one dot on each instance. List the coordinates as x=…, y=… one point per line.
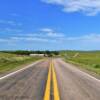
x=48, y=86
x=55, y=85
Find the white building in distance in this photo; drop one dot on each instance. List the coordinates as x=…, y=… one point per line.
x=39, y=55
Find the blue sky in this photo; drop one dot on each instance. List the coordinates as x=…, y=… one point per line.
x=49, y=24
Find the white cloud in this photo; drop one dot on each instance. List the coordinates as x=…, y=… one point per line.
x=31, y=39
x=92, y=38
x=54, y=34
x=86, y=38
x=51, y=33
x=3, y=40
x=46, y=30
x=10, y=22
x=15, y=14
x=43, y=35
x=10, y=31
x=88, y=7
x=47, y=35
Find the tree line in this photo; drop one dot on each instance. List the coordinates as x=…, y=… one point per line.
x=25, y=52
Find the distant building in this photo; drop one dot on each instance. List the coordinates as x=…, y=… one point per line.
x=39, y=55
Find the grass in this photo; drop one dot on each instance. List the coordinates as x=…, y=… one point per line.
x=89, y=60
x=10, y=62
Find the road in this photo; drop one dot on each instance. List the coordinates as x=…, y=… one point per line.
x=75, y=84
x=62, y=81
x=28, y=84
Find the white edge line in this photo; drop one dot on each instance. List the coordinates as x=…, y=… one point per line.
x=20, y=70
x=90, y=76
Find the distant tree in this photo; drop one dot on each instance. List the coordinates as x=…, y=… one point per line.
x=55, y=52
x=25, y=52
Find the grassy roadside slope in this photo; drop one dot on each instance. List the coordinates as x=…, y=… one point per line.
x=89, y=60
x=10, y=62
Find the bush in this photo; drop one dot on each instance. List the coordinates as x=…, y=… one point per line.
x=96, y=65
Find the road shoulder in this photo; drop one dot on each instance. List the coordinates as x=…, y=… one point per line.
x=19, y=69
x=82, y=69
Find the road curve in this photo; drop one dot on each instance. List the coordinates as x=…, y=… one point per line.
x=74, y=84
x=28, y=84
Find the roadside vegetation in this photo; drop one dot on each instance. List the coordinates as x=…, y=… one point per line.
x=9, y=61
x=46, y=53
x=12, y=60
x=89, y=60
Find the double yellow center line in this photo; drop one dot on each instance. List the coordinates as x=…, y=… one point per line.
x=48, y=85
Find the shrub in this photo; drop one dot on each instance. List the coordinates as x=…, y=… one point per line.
x=96, y=65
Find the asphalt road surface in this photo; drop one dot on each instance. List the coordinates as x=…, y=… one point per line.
x=30, y=83
x=74, y=84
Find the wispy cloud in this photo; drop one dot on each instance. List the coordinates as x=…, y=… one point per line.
x=3, y=40
x=46, y=30
x=51, y=33
x=9, y=31
x=86, y=38
x=29, y=39
x=15, y=14
x=16, y=39
x=10, y=22
x=12, y=30
x=88, y=7
x=43, y=35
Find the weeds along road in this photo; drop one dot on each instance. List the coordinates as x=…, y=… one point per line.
x=50, y=80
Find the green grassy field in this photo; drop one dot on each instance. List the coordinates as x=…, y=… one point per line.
x=89, y=60
x=10, y=62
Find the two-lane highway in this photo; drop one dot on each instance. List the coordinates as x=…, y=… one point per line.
x=65, y=81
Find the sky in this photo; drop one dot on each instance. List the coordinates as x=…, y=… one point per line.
x=49, y=24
